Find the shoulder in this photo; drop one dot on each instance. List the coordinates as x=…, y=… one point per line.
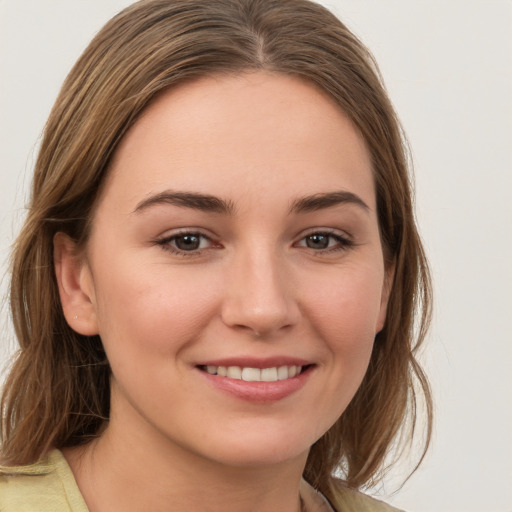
x=46, y=486
x=350, y=500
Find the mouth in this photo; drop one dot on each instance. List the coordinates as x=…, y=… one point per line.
x=250, y=374
x=257, y=380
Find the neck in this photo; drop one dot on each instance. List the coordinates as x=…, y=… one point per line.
x=166, y=477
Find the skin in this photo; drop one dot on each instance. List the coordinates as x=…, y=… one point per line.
x=257, y=287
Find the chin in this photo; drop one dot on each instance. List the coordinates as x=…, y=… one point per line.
x=261, y=450
x=260, y=458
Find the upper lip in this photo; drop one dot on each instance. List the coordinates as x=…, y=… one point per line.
x=256, y=362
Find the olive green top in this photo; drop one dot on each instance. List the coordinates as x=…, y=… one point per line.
x=49, y=486
x=46, y=486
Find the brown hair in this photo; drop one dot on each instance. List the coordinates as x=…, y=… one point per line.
x=57, y=393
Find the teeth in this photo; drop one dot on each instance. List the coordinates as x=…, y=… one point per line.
x=269, y=374
x=283, y=372
x=234, y=372
x=255, y=374
x=251, y=374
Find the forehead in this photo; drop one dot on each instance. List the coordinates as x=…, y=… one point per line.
x=232, y=134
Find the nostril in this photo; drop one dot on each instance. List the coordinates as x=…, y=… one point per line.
x=259, y=302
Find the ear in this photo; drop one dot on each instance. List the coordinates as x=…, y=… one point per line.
x=76, y=286
x=389, y=276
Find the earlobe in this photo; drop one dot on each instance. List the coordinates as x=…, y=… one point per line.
x=76, y=288
x=386, y=292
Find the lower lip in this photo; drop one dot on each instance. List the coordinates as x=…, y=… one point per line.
x=259, y=392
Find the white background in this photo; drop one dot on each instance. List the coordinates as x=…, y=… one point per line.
x=448, y=68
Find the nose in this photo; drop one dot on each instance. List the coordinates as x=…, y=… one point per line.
x=259, y=297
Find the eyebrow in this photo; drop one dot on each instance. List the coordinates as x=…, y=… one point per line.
x=202, y=202
x=213, y=204
x=326, y=200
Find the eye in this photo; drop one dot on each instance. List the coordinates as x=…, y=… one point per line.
x=321, y=241
x=187, y=242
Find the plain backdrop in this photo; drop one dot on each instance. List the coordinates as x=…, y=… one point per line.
x=448, y=68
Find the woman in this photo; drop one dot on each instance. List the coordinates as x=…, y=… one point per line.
x=219, y=287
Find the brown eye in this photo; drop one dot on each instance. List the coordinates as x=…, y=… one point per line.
x=186, y=243
x=189, y=242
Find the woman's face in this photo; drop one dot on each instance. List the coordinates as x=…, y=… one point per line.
x=235, y=272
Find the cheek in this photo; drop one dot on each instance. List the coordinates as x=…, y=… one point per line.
x=344, y=313
x=154, y=310
x=347, y=302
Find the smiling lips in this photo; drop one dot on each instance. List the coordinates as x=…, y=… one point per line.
x=258, y=381
x=250, y=374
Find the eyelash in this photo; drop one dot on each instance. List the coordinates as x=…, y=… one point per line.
x=343, y=243
x=166, y=243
